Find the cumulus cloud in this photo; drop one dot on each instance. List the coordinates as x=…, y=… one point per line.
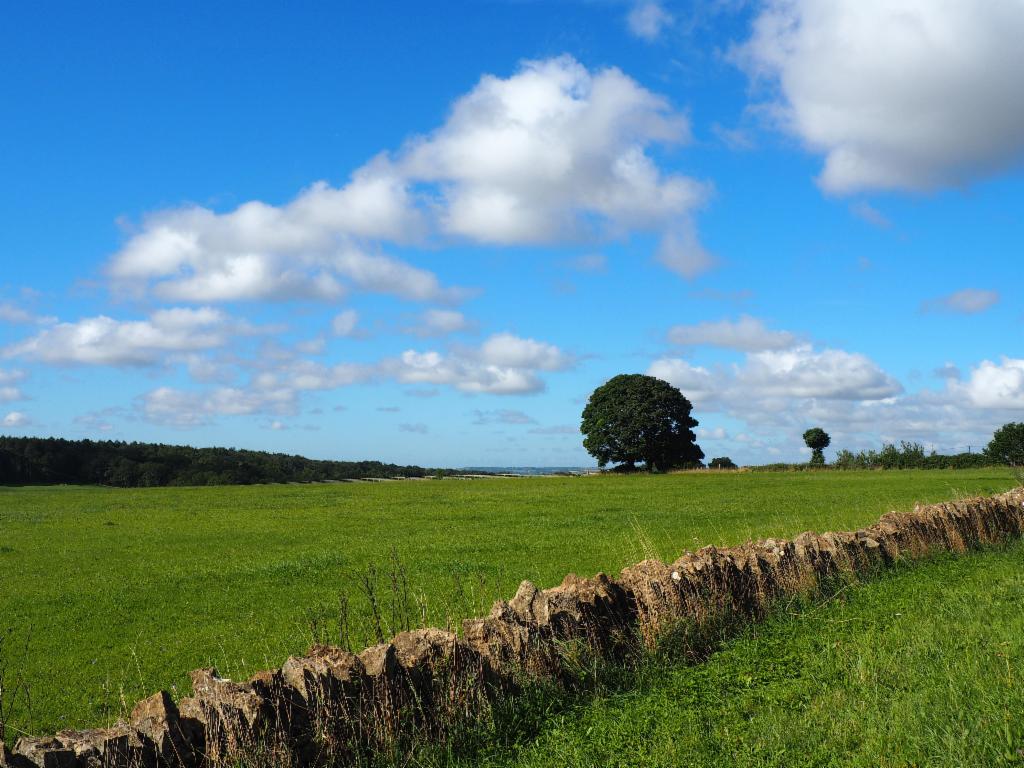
x=104, y=341
x=897, y=94
x=831, y=374
x=748, y=334
x=16, y=420
x=781, y=375
x=550, y=152
x=778, y=394
x=969, y=301
x=509, y=351
x=181, y=408
x=647, y=20
x=996, y=385
x=554, y=152
x=262, y=252
x=439, y=322
x=699, y=384
x=504, y=364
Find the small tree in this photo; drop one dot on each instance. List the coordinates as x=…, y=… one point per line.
x=1007, y=445
x=817, y=440
x=633, y=418
x=722, y=462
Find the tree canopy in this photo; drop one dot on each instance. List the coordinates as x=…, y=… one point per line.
x=1007, y=445
x=722, y=462
x=40, y=461
x=634, y=418
x=817, y=439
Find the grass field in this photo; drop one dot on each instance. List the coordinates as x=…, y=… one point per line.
x=921, y=667
x=107, y=595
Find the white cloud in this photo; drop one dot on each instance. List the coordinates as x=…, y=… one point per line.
x=647, y=20
x=993, y=385
x=344, y=323
x=831, y=374
x=382, y=274
x=698, y=384
x=897, y=94
x=796, y=373
x=439, y=322
x=99, y=421
x=104, y=341
x=14, y=314
x=552, y=153
x=503, y=365
x=306, y=375
x=8, y=381
x=10, y=394
x=969, y=301
x=748, y=334
x=549, y=152
x=506, y=350
x=175, y=407
x=681, y=251
x=16, y=419
x=307, y=249
x=413, y=367
x=10, y=313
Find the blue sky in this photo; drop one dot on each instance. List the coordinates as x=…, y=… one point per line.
x=387, y=230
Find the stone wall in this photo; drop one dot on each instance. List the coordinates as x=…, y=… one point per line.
x=331, y=707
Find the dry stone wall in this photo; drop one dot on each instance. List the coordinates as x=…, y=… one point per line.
x=332, y=707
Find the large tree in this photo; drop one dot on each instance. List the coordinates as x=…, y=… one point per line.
x=1007, y=446
x=817, y=440
x=634, y=418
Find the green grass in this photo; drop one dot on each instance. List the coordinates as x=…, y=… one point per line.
x=922, y=667
x=117, y=593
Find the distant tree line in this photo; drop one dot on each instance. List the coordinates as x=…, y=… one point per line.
x=909, y=455
x=43, y=461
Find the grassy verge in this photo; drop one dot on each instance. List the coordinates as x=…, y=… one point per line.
x=921, y=667
x=118, y=593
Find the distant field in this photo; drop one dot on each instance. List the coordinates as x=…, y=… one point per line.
x=117, y=593
x=922, y=667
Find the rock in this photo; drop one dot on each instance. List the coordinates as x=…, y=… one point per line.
x=380, y=661
x=238, y=718
x=158, y=721
x=46, y=752
x=325, y=673
x=115, y=747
